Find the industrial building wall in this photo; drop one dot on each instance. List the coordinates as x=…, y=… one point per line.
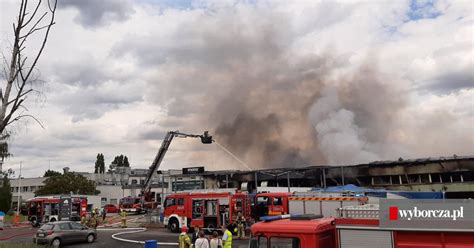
x=111, y=194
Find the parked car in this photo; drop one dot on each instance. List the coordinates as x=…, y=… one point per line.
x=111, y=208
x=64, y=232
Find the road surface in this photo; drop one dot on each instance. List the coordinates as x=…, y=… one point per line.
x=105, y=239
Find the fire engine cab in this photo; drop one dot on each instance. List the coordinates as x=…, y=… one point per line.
x=354, y=230
x=205, y=210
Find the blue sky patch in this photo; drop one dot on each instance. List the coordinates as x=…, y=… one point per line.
x=423, y=10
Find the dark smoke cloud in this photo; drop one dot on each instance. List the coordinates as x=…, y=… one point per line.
x=265, y=116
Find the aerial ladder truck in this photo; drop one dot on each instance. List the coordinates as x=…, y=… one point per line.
x=146, y=201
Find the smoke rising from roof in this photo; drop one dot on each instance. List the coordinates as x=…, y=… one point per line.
x=296, y=114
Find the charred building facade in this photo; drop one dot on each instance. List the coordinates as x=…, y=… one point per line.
x=453, y=175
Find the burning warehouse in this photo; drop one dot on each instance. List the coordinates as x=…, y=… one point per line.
x=452, y=175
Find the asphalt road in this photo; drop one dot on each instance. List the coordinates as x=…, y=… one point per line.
x=105, y=239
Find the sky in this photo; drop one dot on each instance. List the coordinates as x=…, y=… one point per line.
x=278, y=83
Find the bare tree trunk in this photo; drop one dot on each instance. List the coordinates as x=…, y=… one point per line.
x=19, y=81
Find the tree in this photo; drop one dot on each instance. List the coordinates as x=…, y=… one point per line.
x=121, y=161
x=102, y=164
x=125, y=162
x=19, y=79
x=99, y=164
x=67, y=183
x=5, y=194
x=51, y=173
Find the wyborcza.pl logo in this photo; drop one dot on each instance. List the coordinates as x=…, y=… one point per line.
x=427, y=214
x=415, y=213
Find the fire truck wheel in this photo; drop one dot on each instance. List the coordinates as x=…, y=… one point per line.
x=90, y=238
x=56, y=243
x=174, y=225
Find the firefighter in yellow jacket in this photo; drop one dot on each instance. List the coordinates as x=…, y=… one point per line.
x=123, y=216
x=227, y=237
x=184, y=240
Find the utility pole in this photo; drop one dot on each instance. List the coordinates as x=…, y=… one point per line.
x=256, y=182
x=324, y=178
x=162, y=198
x=288, y=180
x=342, y=176
x=19, y=191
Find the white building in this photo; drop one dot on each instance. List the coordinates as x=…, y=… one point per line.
x=114, y=186
x=25, y=188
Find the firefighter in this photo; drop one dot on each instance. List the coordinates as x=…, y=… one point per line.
x=227, y=237
x=184, y=240
x=240, y=226
x=123, y=216
x=83, y=219
x=95, y=217
x=92, y=221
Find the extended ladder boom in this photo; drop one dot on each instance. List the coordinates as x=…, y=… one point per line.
x=205, y=139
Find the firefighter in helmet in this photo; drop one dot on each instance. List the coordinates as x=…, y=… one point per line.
x=95, y=216
x=83, y=218
x=240, y=221
x=184, y=240
x=123, y=216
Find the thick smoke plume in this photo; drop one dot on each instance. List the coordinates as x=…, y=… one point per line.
x=242, y=75
x=294, y=115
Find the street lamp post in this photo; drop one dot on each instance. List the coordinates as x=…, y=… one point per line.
x=19, y=191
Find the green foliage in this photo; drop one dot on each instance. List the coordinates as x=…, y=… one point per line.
x=125, y=162
x=51, y=173
x=9, y=218
x=99, y=164
x=121, y=161
x=66, y=183
x=5, y=194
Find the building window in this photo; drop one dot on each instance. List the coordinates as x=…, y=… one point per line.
x=25, y=189
x=134, y=181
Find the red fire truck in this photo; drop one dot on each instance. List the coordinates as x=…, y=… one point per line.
x=280, y=203
x=46, y=209
x=312, y=231
x=131, y=204
x=205, y=210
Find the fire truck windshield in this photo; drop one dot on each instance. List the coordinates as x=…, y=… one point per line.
x=129, y=200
